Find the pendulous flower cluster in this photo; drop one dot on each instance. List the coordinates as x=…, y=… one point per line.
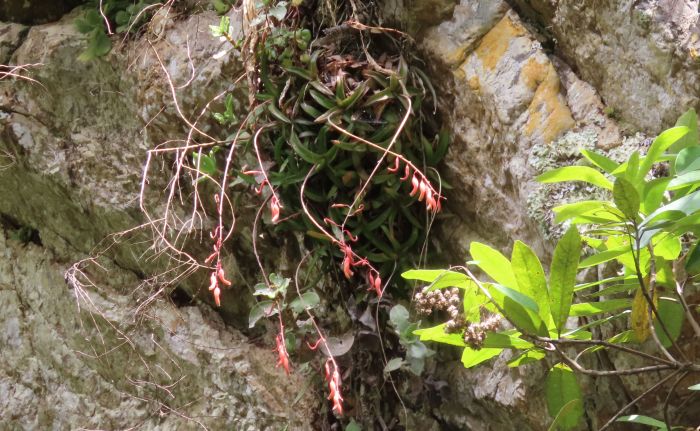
x=420, y=185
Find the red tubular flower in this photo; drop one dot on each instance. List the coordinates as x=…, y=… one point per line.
x=217, y=296
x=415, y=183
x=348, y=262
x=407, y=172
x=396, y=166
x=275, y=209
x=423, y=187
x=375, y=283
x=378, y=286
x=222, y=277
x=282, y=355
x=333, y=379
x=213, y=282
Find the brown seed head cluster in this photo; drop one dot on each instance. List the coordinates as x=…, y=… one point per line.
x=475, y=334
x=428, y=301
x=447, y=300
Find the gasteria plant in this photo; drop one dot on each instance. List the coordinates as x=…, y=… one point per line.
x=338, y=145
x=647, y=231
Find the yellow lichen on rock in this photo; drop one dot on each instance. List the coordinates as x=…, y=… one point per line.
x=495, y=43
x=548, y=114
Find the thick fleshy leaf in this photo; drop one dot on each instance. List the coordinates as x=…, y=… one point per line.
x=562, y=276
x=493, y=263
x=561, y=388
x=530, y=277
x=576, y=173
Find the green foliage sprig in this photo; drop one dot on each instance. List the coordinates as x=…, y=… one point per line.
x=122, y=15
x=648, y=230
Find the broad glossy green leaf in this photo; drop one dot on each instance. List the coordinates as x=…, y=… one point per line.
x=660, y=144
x=518, y=308
x=471, y=357
x=307, y=300
x=672, y=314
x=527, y=357
x=668, y=247
x=206, y=164
x=688, y=160
x=493, y=263
x=626, y=198
x=438, y=334
x=576, y=173
x=653, y=194
x=564, y=413
x=593, y=308
x=506, y=340
x=601, y=161
x=687, y=204
x=439, y=278
x=530, y=276
x=561, y=388
x=562, y=276
x=691, y=178
x=690, y=120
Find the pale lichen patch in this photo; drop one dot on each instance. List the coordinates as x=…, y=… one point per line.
x=495, y=43
x=548, y=114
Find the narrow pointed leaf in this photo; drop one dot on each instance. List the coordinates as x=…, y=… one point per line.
x=576, y=173
x=660, y=144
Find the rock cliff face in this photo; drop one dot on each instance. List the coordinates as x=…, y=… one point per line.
x=522, y=84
